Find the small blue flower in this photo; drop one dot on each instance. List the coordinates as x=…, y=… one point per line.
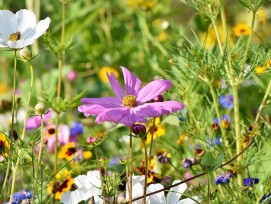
x=224, y=117
x=223, y=178
x=216, y=142
x=266, y=198
x=77, y=129
x=226, y=101
x=250, y=181
x=21, y=196
x=187, y=163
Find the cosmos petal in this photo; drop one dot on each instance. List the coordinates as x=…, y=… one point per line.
x=153, y=89
x=102, y=101
x=158, y=198
x=176, y=192
x=118, y=90
x=26, y=22
x=132, y=83
x=8, y=24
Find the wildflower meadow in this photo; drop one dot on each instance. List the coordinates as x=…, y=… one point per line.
x=135, y=101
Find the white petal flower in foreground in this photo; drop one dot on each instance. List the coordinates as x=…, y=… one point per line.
x=88, y=185
x=173, y=196
x=20, y=29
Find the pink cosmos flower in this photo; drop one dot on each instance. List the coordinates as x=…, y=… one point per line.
x=132, y=105
x=34, y=122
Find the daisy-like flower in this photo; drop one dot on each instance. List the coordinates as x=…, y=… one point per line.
x=67, y=151
x=4, y=146
x=156, y=129
x=132, y=105
x=58, y=188
x=173, y=196
x=88, y=185
x=241, y=29
x=20, y=29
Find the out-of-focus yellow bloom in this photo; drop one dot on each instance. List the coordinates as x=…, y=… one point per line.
x=145, y=4
x=163, y=37
x=268, y=63
x=87, y=154
x=260, y=69
x=58, y=188
x=4, y=145
x=157, y=130
x=102, y=73
x=182, y=137
x=261, y=16
x=241, y=29
x=67, y=151
x=3, y=89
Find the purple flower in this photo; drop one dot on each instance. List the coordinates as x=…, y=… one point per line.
x=223, y=178
x=21, y=196
x=226, y=101
x=250, y=181
x=76, y=129
x=130, y=106
x=138, y=129
x=266, y=198
x=34, y=122
x=187, y=163
x=164, y=158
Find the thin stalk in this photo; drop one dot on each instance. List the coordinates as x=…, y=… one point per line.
x=247, y=45
x=12, y=121
x=218, y=115
x=152, y=133
x=263, y=102
x=146, y=172
x=218, y=38
x=12, y=124
x=101, y=175
x=40, y=152
x=235, y=85
x=20, y=152
x=131, y=168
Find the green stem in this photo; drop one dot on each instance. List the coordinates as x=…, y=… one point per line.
x=146, y=172
x=219, y=116
x=235, y=85
x=247, y=45
x=263, y=102
x=151, y=143
x=101, y=175
x=12, y=123
x=131, y=168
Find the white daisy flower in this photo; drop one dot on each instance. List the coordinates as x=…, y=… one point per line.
x=173, y=196
x=88, y=186
x=21, y=29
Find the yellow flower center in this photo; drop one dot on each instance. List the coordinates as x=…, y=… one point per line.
x=129, y=101
x=15, y=36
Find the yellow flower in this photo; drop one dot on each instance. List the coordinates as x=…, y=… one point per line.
x=67, y=151
x=182, y=137
x=3, y=89
x=87, y=154
x=241, y=29
x=145, y=4
x=268, y=63
x=58, y=188
x=156, y=130
x=4, y=145
x=260, y=69
x=163, y=37
x=261, y=14
x=102, y=73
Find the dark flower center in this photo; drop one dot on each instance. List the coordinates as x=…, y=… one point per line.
x=2, y=146
x=51, y=131
x=15, y=36
x=129, y=101
x=70, y=151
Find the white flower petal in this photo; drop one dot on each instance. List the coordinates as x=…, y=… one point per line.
x=76, y=196
x=26, y=22
x=176, y=192
x=7, y=23
x=137, y=186
x=189, y=201
x=158, y=198
x=41, y=27
x=82, y=181
x=94, y=178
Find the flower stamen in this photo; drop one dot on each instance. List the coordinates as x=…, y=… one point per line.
x=15, y=36
x=129, y=101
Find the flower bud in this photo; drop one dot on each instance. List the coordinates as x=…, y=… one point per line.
x=158, y=98
x=72, y=75
x=138, y=129
x=39, y=109
x=25, y=53
x=91, y=140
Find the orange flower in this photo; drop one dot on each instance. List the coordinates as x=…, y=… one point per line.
x=241, y=29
